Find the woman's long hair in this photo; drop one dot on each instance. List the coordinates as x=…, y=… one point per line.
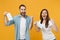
x=47, y=18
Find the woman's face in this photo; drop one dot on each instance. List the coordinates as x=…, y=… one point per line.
x=44, y=14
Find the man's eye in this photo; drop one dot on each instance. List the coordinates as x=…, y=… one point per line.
x=24, y=9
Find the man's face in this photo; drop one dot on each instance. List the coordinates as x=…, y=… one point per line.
x=23, y=10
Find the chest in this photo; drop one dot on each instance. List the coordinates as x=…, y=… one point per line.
x=46, y=29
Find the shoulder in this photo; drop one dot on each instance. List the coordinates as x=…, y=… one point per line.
x=16, y=16
x=51, y=22
x=28, y=17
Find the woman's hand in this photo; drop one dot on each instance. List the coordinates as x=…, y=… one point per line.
x=36, y=28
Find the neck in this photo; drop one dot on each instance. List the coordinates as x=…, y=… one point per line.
x=44, y=21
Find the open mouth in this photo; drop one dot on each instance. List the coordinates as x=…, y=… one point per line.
x=44, y=16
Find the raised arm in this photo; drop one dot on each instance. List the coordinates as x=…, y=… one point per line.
x=31, y=23
x=54, y=26
x=36, y=27
x=7, y=22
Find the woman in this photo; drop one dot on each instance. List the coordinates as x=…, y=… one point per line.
x=46, y=24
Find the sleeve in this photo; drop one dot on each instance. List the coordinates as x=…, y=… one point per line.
x=29, y=22
x=39, y=24
x=50, y=23
x=10, y=22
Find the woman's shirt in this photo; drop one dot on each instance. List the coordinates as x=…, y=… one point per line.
x=46, y=32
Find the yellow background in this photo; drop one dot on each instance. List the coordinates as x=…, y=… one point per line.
x=33, y=9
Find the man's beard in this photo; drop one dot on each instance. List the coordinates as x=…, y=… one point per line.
x=23, y=14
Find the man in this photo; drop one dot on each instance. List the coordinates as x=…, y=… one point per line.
x=22, y=23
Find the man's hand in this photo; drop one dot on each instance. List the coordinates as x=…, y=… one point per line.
x=5, y=13
x=5, y=21
x=31, y=17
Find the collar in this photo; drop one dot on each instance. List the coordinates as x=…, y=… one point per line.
x=20, y=16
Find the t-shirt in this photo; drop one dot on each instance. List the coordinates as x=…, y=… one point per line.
x=46, y=32
x=22, y=28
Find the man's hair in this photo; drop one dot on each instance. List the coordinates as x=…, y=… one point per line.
x=22, y=5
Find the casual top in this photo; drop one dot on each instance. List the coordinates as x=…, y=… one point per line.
x=46, y=32
x=22, y=28
x=16, y=21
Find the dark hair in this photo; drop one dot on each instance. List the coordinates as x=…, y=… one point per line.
x=47, y=18
x=22, y=5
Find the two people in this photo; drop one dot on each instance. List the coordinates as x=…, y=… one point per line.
x=23, y=23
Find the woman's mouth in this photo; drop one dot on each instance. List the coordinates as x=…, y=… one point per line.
x=44, y=16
